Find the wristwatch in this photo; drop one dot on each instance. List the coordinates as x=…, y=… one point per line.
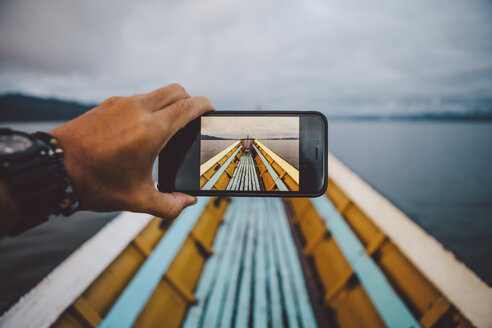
x=32, y=167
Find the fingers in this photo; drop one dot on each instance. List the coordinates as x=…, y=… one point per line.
x=179, y=114
x=168, y=206
x=163, y=97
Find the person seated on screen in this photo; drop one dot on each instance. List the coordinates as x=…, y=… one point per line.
x=99, y=161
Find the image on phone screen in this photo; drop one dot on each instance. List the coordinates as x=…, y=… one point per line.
x=255, y=153
x=248, y=153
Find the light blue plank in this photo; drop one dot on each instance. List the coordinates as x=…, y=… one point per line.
x=228, y=308
x=283, y=266
x=248, y=174
x=243, y=173
x=240, y=177
x=133, y=299
x=260, y=312
x=255, y=175
x=210, y=183
x=217, y=295
x=235, y=176
x=280, y=184
x=210, y=271
x=305, y=310
x=273, y=283
x=244, y=303
x=389, y=305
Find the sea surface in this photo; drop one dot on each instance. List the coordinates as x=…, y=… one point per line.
x=287, y=149
x=438, y=173
x=210, y=148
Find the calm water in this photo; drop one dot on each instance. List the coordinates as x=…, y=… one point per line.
x=287, y=149
x=210, y=148
x=439, y=174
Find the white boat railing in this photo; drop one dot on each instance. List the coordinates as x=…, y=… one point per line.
x=454, y=279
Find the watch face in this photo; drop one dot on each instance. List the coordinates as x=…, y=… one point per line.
x=14, y=143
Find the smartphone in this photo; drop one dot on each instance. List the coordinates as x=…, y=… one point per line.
x=248, y=153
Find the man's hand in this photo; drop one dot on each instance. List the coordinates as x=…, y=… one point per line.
x=110, y=150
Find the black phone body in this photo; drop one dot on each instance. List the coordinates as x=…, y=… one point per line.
x=248, y=153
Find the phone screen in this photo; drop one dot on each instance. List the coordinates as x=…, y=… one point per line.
x=254, y=153
x=244, y=154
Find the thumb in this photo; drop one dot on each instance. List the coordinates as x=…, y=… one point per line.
x=169, y=206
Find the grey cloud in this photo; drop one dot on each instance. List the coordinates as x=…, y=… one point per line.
x=339, y=57
x=59, y=37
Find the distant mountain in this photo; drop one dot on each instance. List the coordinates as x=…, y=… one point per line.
x=286, y=138
x=207, y=137
x=17, y=107
x=473, y=116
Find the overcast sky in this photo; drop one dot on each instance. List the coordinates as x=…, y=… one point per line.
x=335, y=56
x=254, y=127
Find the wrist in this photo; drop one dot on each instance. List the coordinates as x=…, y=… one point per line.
x=31, y=167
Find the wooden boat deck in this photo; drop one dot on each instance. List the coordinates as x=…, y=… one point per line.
x=248, y=166
x=346, y=259
x=255, y=277
x=245, y=176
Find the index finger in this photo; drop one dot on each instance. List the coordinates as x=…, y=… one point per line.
x=177, y=115
x=162, y=97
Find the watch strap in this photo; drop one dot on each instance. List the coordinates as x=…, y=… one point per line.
x=68, y=202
